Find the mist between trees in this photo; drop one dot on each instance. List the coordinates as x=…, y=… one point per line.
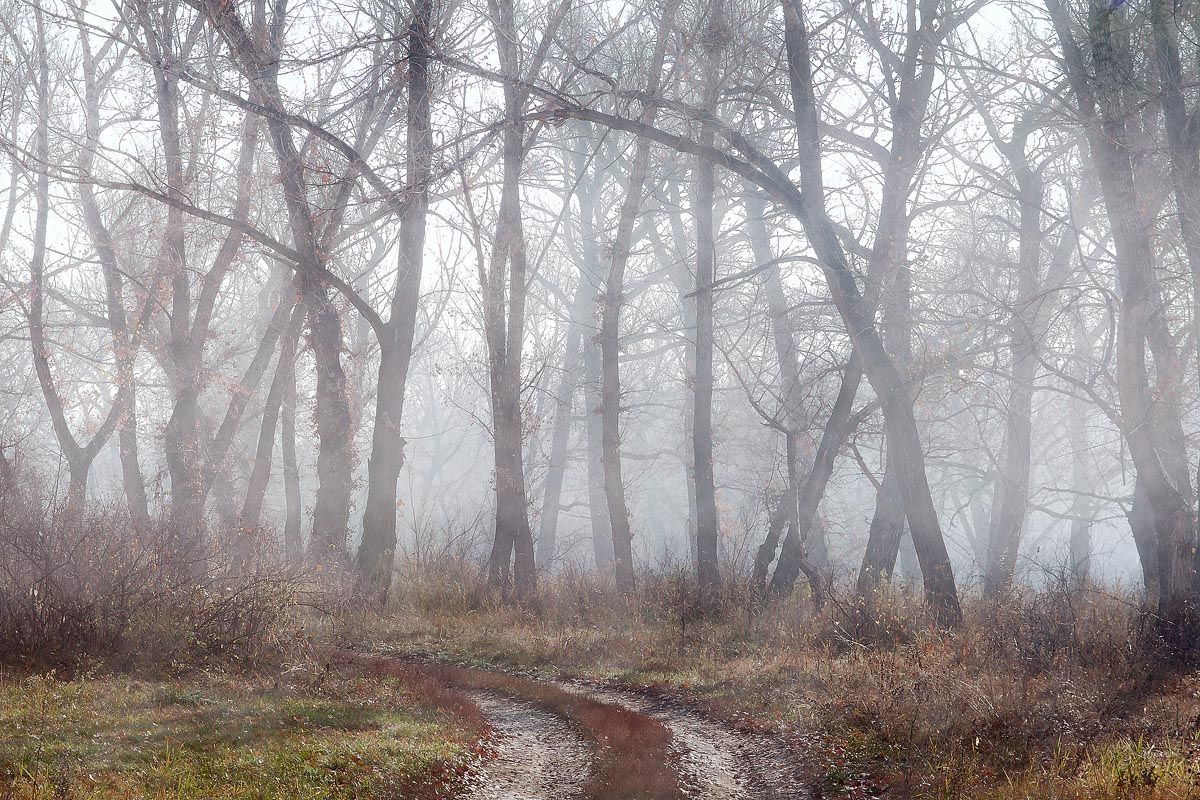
x=788, y=292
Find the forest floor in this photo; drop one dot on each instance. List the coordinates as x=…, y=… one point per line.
x=586, y=696
x=927, y=715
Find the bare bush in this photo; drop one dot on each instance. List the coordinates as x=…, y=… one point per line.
x=79, y=590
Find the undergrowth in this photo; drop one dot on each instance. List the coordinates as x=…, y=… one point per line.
x=1050, y=694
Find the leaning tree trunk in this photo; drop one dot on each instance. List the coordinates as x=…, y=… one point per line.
x=904, y=441
x=284, y=378
x=792, y=555
x=885, y=533
x=1098, y=83
x=560, y=438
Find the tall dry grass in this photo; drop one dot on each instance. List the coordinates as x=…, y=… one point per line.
x=1056, y=691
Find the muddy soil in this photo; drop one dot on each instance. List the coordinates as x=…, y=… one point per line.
x=538, y=756
x=716, y=762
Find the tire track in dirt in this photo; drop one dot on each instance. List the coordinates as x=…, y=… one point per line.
x=579, y=740
x=716, y=762
x=538, y=756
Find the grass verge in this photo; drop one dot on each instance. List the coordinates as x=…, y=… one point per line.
x=222, y=738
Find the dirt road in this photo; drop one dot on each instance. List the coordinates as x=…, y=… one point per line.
x=542, y=757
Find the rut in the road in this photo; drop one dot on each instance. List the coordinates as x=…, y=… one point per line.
x=716, y=762
x=538, y=756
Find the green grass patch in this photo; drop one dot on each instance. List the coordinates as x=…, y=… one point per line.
x=221, y=739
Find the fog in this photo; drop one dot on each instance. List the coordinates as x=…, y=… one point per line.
x=863, y=290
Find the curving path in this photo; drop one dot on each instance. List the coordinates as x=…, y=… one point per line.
x=538, y=756
x=574, y=740
x=716, y=762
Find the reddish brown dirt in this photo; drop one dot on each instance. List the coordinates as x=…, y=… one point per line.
x=576, y=741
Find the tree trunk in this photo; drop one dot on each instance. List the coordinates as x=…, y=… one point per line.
x=789, y=374
x=904, y=443
x=124, y=347
x=592, y=276
x=886, y=531
x=1080, y=546
x=792, y=555
x=682, y=278
x=560, y=438
x=284, y=378
x=1167, y=539
x=335, y=434
x=182, y=437
x=78, y=457
x=610, y=327
x=293, y=544
x=778, y=521
x=602, y=539
x=1012, y=488
x=505, y=332
x=378, y=548
x=707, y=523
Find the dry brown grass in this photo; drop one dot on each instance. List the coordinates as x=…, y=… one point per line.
x=1049, y=695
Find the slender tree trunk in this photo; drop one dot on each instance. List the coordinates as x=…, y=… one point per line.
x=610, y=327
x=592, y=276
x=682, y=278
x=182, y=436
x=560, y=438
x=602, y=540
x=284, y=378
x=778, y=522
x=293, y=544
x=798, y=558
x=1012, y=488
x=707, y=522
x=505, y=335
x=886, y=531
x=1080, y=546
x=79, y=458
x=800, y=527
x=378, y=548
x=124, y=348
x=792, y=556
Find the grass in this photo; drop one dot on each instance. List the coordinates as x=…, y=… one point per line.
x=221, y=738
x=1046, y=697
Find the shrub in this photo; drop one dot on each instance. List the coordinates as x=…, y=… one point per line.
x=78, y=590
